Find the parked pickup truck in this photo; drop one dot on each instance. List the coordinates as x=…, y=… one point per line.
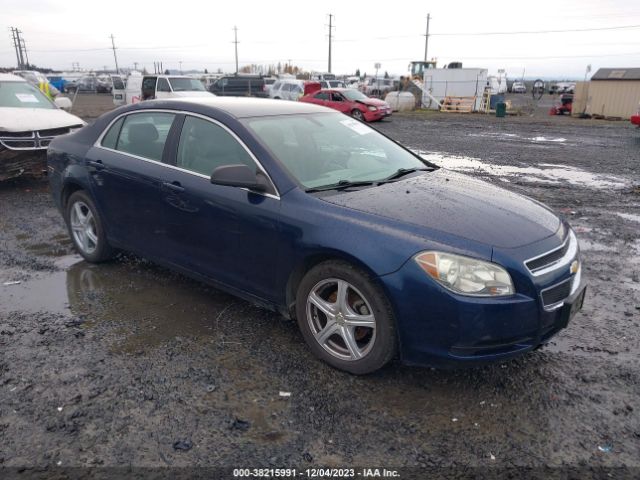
x=148, y=87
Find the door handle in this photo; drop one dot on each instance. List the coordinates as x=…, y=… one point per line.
x=97, y=164
x=173, y=186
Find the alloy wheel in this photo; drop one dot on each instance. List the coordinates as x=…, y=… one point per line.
x=341, y=319
x=83, y=227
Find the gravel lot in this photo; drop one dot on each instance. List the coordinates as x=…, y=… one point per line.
x=128, y=364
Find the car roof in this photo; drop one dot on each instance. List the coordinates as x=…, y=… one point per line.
x=244, y=107
x=9, y=77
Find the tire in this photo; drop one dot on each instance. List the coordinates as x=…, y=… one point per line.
x=86, y=228
x=358, y=115
x=345, y=318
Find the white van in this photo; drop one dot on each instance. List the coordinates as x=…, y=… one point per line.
x=149, y=87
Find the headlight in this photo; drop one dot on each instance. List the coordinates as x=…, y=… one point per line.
x=466, y=276
x=372, y=108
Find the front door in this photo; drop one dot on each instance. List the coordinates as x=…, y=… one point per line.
x=338, y=102
x=225, y=233
x=163, y=89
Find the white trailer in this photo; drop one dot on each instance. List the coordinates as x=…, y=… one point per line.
x=452, y=82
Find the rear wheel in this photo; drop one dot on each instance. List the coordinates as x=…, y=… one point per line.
x=345, y=318
x=357, y=114
x=86, y=228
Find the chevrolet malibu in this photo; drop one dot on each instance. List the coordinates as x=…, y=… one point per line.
x=375, y=252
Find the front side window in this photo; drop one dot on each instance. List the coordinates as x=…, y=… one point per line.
x=144, y=134
x=205, y=146
x=336, y=97
x=22, y=95
x=163, y=85
x=327, y=148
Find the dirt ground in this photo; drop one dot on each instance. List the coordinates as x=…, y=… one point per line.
x=126, y=364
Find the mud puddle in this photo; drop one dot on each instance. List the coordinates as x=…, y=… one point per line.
x=554, y=174
x=148, y=305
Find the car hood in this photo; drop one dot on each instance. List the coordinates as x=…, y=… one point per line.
x=193, y=93
x=26, y=119
x=373, y=101
x=458, y=205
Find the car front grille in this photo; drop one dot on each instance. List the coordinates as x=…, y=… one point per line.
x=547, y=259
x=554, y=259
x=38, y=140
x=19, y=144
x=554, y=296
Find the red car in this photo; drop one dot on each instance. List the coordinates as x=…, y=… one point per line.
x=351, y=102
x=635, y=119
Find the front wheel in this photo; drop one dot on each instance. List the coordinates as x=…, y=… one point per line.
x=86, y=228
x=345, y=318
x=357, y=114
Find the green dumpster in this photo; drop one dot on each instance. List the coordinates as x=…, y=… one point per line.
x=501, y=109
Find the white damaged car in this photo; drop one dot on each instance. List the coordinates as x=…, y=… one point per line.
x=29, y=121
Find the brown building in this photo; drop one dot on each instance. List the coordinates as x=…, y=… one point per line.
x=612, y=92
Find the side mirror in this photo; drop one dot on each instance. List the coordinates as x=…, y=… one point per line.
x=239, y=176
x=63, y=102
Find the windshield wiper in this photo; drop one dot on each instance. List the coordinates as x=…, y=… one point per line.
x=401, y=172
x=342, y=184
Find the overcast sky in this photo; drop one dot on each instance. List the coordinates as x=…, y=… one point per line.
x=200, y=34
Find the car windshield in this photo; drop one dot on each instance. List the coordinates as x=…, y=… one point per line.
x=325, y=149
x=22, y=95
x=186, y=84
x=354, y=95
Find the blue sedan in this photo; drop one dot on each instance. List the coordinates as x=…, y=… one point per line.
x=375, y=252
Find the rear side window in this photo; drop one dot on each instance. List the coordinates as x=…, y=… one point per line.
x=205, y=146
x=322, y=96
x=110, y=140
x=144, y=134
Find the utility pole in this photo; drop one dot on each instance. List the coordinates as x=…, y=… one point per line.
x=426, y=39
x=235, y=41
x=26, y=55
x=330, y=35
x=135, y=65
x=18, y=44
x=115, y=57
x=180, y=62
x=19, y=39
x=15, y=45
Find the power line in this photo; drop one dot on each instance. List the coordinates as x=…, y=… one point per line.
x=532, y=32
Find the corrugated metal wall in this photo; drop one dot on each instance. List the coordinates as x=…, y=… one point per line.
x=612, y=98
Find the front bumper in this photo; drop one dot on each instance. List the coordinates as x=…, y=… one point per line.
x=15, y=163
x=370, y=116
x=439, y=328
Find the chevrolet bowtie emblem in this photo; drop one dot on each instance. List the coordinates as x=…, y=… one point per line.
x=575, y=265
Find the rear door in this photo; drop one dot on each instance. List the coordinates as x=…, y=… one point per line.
x=128, y=180
x=321, y=98
x=118, y=90
x=149, y=88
